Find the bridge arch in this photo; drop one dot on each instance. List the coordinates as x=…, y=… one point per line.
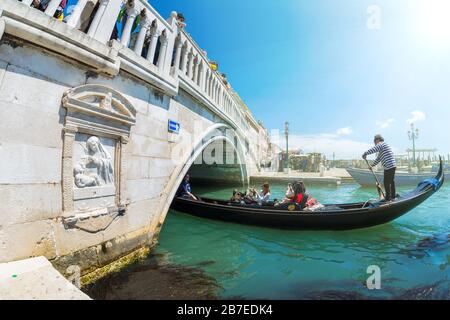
x=188, y=159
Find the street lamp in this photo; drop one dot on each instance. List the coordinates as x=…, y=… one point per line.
x=286, y=132
x=413, y=134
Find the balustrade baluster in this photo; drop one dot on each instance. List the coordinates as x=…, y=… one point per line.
x=184, y=58
x=178, y=49
x=195, y=71
x=153, y=42
x=205, y=84
x=145, y=25
x=75, y=15
x=132, y=13
x=51, y=7
x=103, y=23
x=190, y=64
x=164, y=40
x=200, y=75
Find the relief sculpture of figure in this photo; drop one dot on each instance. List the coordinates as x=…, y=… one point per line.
x=96, y=168
x=83, y=178
x=106, y=102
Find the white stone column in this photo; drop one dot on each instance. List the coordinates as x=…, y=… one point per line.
x=132, y=13
x=145, y=24
x=176, y=64
x=172, y=37
x=218, y=93
x=195, y=71
x=205, y=80
x=190, y=64
x=104, y=20
x=51, y=7
x=184, y=57
x=164, y=40
x=75, y=14
x=201, y=75
x=210, y=85
x=153, y=42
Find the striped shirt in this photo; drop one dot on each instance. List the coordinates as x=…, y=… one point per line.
x=385, y=156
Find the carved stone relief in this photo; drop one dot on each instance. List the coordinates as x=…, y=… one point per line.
x=94, y=167
x=97, y=125
x=93, y=172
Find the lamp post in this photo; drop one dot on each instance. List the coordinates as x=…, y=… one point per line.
x=286, y=132
x=413, y=134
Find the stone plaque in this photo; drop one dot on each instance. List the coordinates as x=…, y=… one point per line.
x=97, y=126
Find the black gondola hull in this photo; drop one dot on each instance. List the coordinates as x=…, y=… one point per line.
x=349, y=216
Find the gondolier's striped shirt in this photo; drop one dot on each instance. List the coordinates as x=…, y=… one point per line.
x=385, y=155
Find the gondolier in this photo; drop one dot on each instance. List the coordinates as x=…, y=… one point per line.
x=386, y=157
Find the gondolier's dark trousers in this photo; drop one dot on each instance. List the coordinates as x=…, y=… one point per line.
x=389, y=183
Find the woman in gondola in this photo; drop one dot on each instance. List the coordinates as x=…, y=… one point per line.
x=289, y=195
x=300, y=195
x=304, y=200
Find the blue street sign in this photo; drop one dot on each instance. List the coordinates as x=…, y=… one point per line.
x=174, y=126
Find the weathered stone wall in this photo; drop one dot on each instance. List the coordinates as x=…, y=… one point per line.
x=47, y=68
x=32, y=84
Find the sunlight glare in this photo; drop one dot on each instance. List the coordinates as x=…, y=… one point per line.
x=434, y=21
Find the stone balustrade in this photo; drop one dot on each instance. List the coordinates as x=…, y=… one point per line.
x=196, y=75
x=155, y=50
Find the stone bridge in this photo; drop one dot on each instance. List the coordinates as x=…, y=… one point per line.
x=88, y=165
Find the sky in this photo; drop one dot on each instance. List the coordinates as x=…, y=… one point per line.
x=338, y=71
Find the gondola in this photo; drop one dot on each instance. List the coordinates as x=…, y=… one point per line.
x=331, y=217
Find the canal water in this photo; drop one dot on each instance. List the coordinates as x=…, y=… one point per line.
x=209, y=259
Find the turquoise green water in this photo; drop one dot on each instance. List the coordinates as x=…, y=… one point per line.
x=412, y=252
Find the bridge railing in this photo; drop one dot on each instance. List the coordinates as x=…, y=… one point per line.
x=196, y=73
x=152, y=48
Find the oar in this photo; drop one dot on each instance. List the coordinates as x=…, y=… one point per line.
x=380, y=190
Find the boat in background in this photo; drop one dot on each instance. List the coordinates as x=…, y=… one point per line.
x=365, y=178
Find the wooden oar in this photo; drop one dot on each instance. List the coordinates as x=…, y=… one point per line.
x=380, y=190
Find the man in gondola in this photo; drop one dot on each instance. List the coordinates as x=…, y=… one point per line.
x=386, y=157
x=185, y=190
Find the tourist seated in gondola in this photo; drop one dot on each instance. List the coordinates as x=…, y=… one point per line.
x=289, y=195
x=304, y=200
x=300, y=196
x=243, y=198
x=238, y=197
x=263, y=197
x=250, y=196
x=185, y=190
